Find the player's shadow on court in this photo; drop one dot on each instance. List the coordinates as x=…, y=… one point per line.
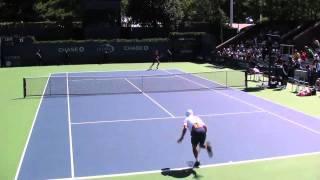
x=181, y=173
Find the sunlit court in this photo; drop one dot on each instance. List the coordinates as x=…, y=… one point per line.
x=159, y=89
x=130, y=120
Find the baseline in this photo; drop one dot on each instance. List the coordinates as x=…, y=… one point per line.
x=204, y=166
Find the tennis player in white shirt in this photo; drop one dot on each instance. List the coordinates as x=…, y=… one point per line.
x=198, y=132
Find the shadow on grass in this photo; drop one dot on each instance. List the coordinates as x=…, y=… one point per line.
x=222, y=65
x=293, y=92
x=253, y=89
x=37, y=97
x=26, y=98
x=278, y=89
x=215, y=66
x=180, y=173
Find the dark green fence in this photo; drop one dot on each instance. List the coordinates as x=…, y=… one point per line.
x=26, y=51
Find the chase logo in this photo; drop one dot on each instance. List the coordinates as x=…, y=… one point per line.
x=75, y=49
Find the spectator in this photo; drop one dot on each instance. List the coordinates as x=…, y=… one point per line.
x=316, y=45
x=254, y=51
x=317, y=57
x=317, y=84
x=296, y=55
x=284, y=76
x=297, y=64
x=304, y=57
x=264, y=53
x=313, y=68
x=290, y=67
x=309, y=52
x=306, y=91
x=317, y=68
x=309, y=74
x=273, y=82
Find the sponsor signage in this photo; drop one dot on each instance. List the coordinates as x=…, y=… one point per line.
x=9, y=60
x=75, y=49
x=106, y=48
x=136, y=48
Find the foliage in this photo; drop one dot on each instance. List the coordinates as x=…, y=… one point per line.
x=124, y=7
x=209, y=11
x=173, y=13
x=183, y=34
x=169, y=13
x=16, y=10
x=57, y=9
x=146, y=12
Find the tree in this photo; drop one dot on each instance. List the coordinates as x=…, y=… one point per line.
x=291, y=10
x=188, y=9
x=209, y=11
x=124, y=7
x=146, y=12
x=166, y=12
x=57, y=9
x=173, y=13
x=16, y=10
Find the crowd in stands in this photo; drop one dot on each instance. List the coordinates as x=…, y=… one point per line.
x=255, y=53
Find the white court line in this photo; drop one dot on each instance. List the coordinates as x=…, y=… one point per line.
x=203, y=166
x=164, y=118
x=124, y=120
x=288, y=107
x=70, y=129
x=158, y=76
x=103, y=71
x=31, y=130
x=274, y=114
x=95, y=79
x=60, y=73
x=103, y=78
x=110, y=72
x=154, y=101
x=252, y=105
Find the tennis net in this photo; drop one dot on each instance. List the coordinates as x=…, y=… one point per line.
x=67, y=84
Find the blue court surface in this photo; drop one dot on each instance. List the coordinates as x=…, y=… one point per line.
x=111, y=134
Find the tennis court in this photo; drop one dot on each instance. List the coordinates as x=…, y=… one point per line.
x=105, y=124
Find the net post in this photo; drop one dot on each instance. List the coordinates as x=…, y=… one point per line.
x=142, y=86
x=226, y=79
x=246, y=79
x=49, y=86
x=24, y=88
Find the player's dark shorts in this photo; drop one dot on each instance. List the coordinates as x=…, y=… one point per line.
x=156, y=60
x=198, y=136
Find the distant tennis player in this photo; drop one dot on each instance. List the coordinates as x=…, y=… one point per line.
x=198, y=131
x=156, y=59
